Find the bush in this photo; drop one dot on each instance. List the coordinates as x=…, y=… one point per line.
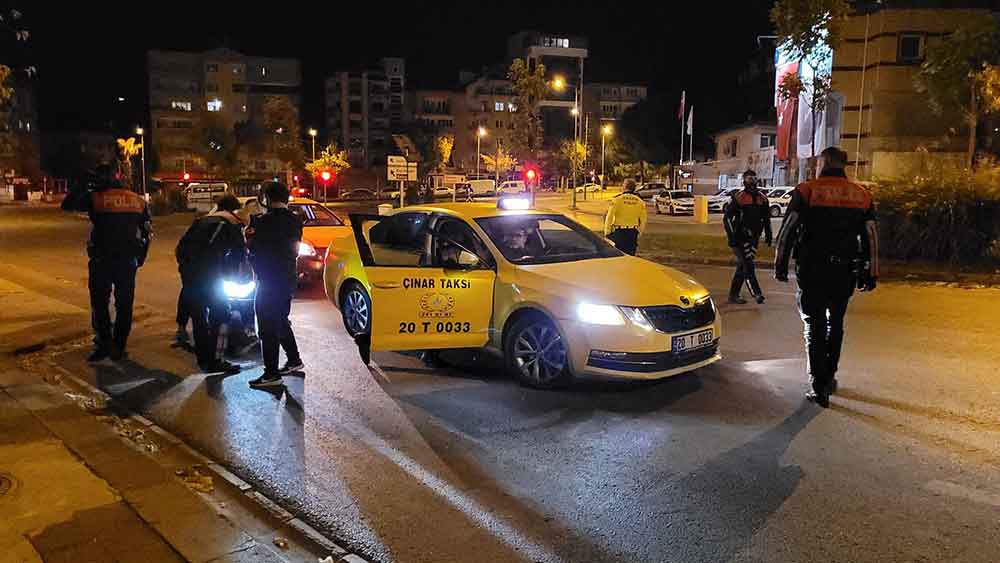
x=944, y=216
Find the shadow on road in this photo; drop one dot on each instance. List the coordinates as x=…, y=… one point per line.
x=134, y=384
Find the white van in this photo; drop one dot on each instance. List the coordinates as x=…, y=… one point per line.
x=482, y=187
x=201, y=197
x=511, y=187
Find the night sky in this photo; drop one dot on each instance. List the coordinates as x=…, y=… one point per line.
x=88, y=54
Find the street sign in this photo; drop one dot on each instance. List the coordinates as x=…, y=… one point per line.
x=411, y=171
x=398, y=170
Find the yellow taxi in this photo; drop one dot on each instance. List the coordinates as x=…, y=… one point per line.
x=320, y=227
x=551, y=297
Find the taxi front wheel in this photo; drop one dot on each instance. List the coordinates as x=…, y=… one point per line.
x=536, y=353
x=356, y=307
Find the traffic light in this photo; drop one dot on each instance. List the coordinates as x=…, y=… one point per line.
x=296, y=178
x=531, y=175
x=326, y=175
x=187, y=176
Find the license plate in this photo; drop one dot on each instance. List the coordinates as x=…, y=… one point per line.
x=692, y=341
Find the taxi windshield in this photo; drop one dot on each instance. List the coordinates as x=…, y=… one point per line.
x=315, y=215
x=544, y=239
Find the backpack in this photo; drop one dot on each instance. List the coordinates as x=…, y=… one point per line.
x=197, y=243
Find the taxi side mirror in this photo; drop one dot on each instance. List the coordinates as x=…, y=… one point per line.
x=611, y=242
x=467, y=259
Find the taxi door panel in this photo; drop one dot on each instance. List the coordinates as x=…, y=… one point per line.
x=430, y=308
x=415, y=306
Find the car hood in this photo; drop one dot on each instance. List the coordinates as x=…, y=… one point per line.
x=321, y=237
x=623, y=280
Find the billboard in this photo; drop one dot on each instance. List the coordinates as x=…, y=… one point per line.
x=787, y=109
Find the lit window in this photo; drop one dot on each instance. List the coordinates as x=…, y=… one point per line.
x=237, y=69
x=244, y=108
x=498, y=106
x=212, y=67
x=511, y=108
x=27, y=125
x=263, y=70
x=214, y=105
x=181, y=105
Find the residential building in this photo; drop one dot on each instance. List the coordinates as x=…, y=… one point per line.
x=604, y=104
x=20, y=161
x=749, y=146
x=888, y=128
x=189, y=92
x=364, y=108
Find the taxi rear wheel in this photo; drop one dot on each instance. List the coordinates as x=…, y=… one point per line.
x=536, y=353
x=356, y=307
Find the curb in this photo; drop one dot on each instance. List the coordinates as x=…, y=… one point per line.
x=67, y=337
x=311, y=534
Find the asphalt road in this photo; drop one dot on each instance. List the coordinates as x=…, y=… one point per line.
x=461, y=464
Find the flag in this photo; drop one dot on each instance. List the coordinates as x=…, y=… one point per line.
x=690, y=130
x=680, y=112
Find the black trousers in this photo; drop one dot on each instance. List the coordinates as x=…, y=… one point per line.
x=274, y=304
x=208, y=312
x=746, y=272
x=823, y=299
x=107, y=276
x=183, y=308
x=626, y=240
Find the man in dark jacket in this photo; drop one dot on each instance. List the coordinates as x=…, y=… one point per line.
x=274, y=249
x=212, y=248
x=831, y=230
x=747, y=216
x=118, y=245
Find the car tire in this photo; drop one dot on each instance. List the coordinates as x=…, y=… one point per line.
x=775, y=211
x=671, y=210
x=536, y=354
x=356, y=309
x=657, y=206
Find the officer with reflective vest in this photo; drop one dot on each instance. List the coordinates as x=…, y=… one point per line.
x=747, y=217
x=831, y=230
x=626, y=219
x=118, y=245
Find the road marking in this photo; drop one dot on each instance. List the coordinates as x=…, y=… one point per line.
x=963, y=492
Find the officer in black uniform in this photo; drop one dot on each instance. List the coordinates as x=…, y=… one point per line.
x=747, y=216
x=118, y=246
x=831, y=230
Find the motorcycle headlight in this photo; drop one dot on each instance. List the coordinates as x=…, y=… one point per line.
x=235, y=290
x=607, y=315
x=306, y=249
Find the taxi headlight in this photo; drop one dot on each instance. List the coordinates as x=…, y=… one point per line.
x=707, y=299
x=306, y=249
x=234, y=290
x=637, y=317
x=513, y=203
x=607, y=315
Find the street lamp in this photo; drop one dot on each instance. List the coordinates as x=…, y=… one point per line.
x=312, y=134
x=142, y=153
x=480, y=133
x=605, y=131
x=558, y=83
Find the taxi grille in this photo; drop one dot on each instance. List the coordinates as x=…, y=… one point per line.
x=670, y=318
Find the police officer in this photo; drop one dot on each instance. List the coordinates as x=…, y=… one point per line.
x=746, y=217
x=274, y=249
x=626, y=219
x=831, y=230
x=118, y=245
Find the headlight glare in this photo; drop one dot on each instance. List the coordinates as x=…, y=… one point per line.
x=637, y=317
x=234, y=290
x=607, y=315
x=306, y=249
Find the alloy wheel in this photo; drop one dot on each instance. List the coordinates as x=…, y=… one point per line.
x=540, y=353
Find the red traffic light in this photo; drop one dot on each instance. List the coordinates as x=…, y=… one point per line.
x=326, y=175
x=531, y=174
x=187, y=176
x=296, y=178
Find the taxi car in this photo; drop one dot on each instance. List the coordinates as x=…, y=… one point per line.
x=320, y=227
x=551, y=297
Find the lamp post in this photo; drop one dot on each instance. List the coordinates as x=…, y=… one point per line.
x=559, y=85
x=142, y=154
x=312, y=135
x=605, y=131
x=480, y=133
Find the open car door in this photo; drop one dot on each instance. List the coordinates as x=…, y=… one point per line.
x=418, y=301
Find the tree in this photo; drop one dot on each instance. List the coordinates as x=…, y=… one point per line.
x=573, y=154
x=128, y=149
x=6, y=92
x=10, y=24
x=219, y=147
x=529, y=86
x=638, y=141
x=281, y=119
x=331, y=159
x=809, y=30
x=499, y=163
x=959, y=73
x=444, y=145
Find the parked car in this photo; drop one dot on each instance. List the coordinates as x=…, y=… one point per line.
x=202, y=197
x=359, y=194
x=511, y=187
x=724, y=195
x=650, y=189
x=778, y=200
x=589, y=188
x=674, y=202
x=483, y=187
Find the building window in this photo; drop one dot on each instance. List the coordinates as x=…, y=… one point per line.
x=211, y=87
x=212, y=67
x=237, y=69
x=911, y=48
x=263, y=70
x=214, y=105
x=498, y=106
x=261, y=165
x=180, y=165
x=244, y=108
x=731, y=146
x=512, y=108
x=499, y=124
x=180, y=105
x=766, y=140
